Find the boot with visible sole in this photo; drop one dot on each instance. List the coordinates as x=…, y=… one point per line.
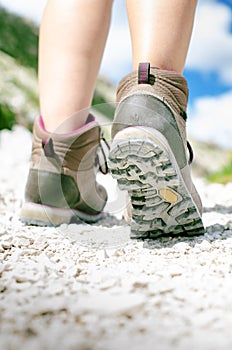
x=61, y=185
x=148, y=155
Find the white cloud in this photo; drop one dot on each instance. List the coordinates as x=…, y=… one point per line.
x=211, y=120
x=211, y=45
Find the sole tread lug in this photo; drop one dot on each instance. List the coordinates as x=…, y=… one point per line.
x=161, y=204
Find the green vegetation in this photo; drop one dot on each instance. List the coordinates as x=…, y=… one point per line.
x=19, y=38
x=18, y=65
x=222, y=176
x=100, y=105
x=7, y=117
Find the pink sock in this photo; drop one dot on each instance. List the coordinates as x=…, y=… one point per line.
x=90, y=119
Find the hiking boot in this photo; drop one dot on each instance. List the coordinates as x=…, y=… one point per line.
x=61, y=185
x=150, y=155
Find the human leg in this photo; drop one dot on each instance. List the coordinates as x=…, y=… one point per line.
x=61, y=186
x=72, y=39
x=150, y=154
x=161, y=31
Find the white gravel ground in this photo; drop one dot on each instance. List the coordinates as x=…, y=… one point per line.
x=83, y=287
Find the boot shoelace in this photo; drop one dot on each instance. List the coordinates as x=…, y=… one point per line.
x=102, y=155
x=190, y=153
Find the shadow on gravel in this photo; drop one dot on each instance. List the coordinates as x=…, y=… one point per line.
x=212, y=233
x=222, y=209
x=109, y=220
x=111, y=232
x=116, y=233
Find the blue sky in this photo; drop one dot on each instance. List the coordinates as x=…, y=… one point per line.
x=207, y=78
x=208, y=67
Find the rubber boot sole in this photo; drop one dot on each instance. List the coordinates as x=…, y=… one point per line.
x=42, y=215
x=144, y=165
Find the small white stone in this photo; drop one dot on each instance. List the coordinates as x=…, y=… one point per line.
x=20, y=286
x=56, y=287
x=106, y=303
x=217, y=228
x=181, y=247
x=2, y=287
x=205, y=246
x=6, y=245
x=6, y=267
x=23, y=242
x=141, y=284
x=47, y=304
x=108, y=284
x=27, y=276
x=163, y=287
x=175, y=270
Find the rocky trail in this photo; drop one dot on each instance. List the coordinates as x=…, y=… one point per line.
x=89, y=287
